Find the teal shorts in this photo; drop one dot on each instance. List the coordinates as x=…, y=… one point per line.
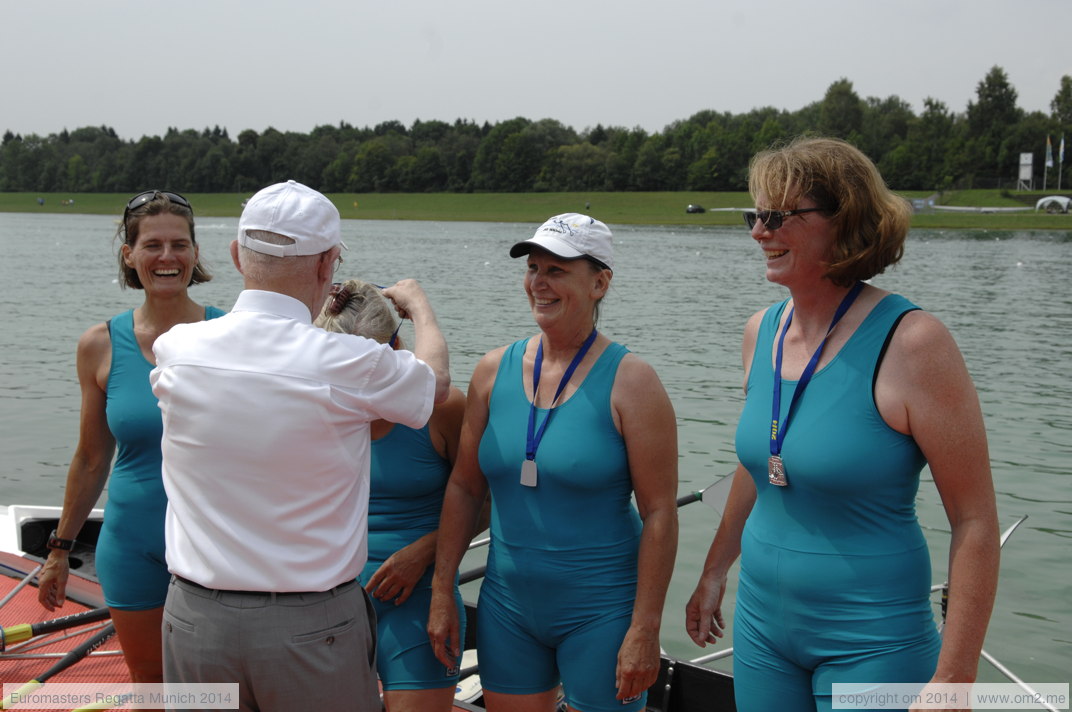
x=404, y=657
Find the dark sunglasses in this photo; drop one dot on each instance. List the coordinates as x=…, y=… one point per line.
x=142, y=198
x=772, y=219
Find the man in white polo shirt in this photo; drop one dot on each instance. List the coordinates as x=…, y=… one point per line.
x=266, y=466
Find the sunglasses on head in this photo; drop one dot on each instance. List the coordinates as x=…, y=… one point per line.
x=772, y=219
x=144, y=197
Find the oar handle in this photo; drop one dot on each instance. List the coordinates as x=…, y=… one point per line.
x=472, y=574
x=689, y=498
x=11, y=700
x=24, y=631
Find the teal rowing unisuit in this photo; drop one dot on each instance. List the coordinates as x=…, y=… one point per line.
x=835, y=572
x=130, y=549
x=562, y=567
x=405, y=496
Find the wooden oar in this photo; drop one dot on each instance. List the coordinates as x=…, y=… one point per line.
x=24, y=631
x=65, y=662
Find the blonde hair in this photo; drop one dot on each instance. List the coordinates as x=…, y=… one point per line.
x=357, y=307
x=871, y=222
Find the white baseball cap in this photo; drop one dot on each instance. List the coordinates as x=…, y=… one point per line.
x=571, y=235
x=295, y=211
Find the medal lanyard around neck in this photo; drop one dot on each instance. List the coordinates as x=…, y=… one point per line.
x=778, y=430
x=535, y=436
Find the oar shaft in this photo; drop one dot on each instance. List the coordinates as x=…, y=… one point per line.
x=477, y=543
x=65, y=662
x=712, y=656
x=1012, y=676
x=19, y=586
x=25, y=631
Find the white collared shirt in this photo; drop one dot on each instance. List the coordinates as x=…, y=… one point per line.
x=266, y=443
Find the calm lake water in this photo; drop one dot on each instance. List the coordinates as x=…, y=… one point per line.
x=679, y=300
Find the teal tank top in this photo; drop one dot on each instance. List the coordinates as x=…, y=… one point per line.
x=134, y=419
x=583, y=497
x=409, y=479
x=852, y=479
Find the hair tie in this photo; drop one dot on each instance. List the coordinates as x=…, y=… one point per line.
x=340, y=295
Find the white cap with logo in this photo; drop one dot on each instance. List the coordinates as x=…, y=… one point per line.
x=571, y=235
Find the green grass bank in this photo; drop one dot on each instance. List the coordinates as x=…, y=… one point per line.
x=613, y=208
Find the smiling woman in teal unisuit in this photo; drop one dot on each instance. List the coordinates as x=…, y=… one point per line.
x=158, y=254
x=563, y=428
x=850, y=391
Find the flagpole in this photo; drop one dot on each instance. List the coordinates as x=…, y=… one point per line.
x=1060, y=162
x=1047, y=162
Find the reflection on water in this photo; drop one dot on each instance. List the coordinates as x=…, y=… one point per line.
x=679, y=299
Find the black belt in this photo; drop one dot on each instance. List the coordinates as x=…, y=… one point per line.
x=193, y=584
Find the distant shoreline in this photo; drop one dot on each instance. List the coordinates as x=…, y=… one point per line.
x=666, y=208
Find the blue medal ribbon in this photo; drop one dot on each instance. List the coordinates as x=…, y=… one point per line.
x=777, y=433
x=535, y=436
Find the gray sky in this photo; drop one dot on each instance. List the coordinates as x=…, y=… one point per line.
x=140, y=67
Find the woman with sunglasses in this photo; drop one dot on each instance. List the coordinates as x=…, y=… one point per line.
x=850, y=391
x=564, y=429
x=409, y=470
x=159, y=255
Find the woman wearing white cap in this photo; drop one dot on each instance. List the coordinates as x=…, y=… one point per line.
x=564, y=428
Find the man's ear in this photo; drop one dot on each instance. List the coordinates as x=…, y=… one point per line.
x=234, y=256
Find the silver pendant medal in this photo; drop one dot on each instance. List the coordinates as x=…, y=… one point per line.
x=528, y=473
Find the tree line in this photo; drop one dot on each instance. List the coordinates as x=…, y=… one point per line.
x=938, y=149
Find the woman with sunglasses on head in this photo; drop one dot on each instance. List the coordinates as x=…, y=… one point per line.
x=159, y=255
x=563, y=428
x=409, y=470
x=850, y=391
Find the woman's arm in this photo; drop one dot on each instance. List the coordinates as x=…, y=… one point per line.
x=649, y=428
x=924, y=390
x=704, y=621
x=90, y=464
x=465, y=494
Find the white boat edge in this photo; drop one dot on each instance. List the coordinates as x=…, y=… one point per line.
x=12, y=517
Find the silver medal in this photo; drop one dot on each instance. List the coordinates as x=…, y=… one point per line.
x=776, y=471
x=528, y=473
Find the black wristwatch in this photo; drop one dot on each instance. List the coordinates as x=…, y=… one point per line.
x=54, y=542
